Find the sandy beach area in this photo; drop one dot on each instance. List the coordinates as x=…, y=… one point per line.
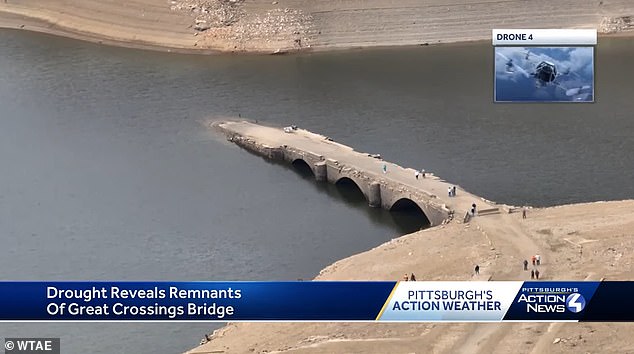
x=207, y=26
x=577, y=242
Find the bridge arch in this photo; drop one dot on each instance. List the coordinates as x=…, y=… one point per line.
x=409, y=209
x=303, y=168
x=350, y=189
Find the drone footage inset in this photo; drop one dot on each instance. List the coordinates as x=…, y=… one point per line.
x=552, y=74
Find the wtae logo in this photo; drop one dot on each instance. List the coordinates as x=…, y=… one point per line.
x=31, y=345
x=553, y=303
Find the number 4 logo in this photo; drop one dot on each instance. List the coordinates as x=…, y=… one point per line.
x=575, y=302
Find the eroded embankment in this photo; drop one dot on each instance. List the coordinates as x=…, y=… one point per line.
x=206, y=26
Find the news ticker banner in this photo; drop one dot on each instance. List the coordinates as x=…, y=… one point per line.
x=316, y=301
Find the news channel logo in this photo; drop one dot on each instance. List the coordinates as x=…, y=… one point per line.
x=553, y=301
x=31, y=345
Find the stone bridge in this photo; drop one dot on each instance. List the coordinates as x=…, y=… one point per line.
x=335, y=163
x=379, y=192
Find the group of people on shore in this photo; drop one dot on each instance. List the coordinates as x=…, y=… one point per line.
x=536, y=261
x=451, y=191
x=412, y=277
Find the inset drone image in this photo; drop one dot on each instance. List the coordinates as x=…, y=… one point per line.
x=544, y=74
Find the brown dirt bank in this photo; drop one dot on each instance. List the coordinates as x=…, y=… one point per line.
x=603, y=231
x=289, y=25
